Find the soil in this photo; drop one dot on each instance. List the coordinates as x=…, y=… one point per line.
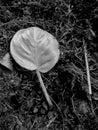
x=22, y=102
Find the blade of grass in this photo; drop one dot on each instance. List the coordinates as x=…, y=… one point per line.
x=44, y=88
x=87, y=68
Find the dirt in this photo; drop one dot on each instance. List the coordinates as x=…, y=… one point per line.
x=22, y=102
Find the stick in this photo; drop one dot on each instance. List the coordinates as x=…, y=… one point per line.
x=44, y=88
x=87, y=70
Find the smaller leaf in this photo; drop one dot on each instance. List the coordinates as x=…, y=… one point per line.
x=6, y=62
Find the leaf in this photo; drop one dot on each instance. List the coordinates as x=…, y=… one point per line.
x=34, y=48
x=6, y=62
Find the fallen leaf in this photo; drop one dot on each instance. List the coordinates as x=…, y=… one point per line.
x=35, y=49
x=6, y=62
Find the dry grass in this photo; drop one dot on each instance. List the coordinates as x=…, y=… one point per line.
x=22, y=104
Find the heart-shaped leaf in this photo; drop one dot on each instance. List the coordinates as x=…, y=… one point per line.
x=35, y=49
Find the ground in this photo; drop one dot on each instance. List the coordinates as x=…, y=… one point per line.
x=22, y=103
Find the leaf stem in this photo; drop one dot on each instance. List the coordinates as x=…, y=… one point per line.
x=44, y=88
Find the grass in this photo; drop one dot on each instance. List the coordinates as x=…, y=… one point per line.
x=22, y=103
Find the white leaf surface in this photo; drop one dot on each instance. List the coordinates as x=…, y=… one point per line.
x=35, y=49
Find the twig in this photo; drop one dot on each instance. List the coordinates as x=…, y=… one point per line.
x=51, y=121
x=33, y=124
x=87, y=69
x=88, y=79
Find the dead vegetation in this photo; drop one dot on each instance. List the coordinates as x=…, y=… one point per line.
x=22, y=103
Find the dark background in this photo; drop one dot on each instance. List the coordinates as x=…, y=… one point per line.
x=22, y=103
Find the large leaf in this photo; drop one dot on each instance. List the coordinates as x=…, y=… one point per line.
x=35, y=49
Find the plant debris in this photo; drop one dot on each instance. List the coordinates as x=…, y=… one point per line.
x=22, y=103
